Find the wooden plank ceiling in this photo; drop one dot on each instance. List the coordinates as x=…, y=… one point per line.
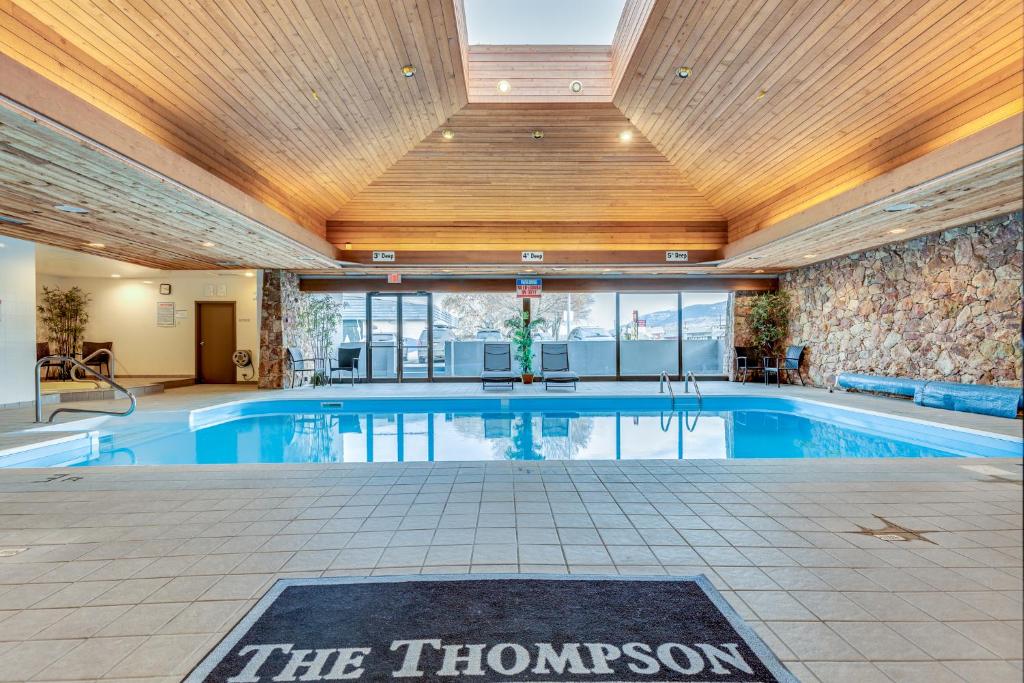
x=301, y=104
x=133, y=214
x=493, y=186
x=298, y=102
x=540, y=73
x=790, y=103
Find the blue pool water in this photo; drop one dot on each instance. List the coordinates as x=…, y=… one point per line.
x=528, y=429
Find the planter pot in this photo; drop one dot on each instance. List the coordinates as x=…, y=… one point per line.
x=527, y=378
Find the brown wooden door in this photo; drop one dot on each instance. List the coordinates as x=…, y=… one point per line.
x=215, y=342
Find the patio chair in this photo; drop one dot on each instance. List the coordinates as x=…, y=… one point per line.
x=100, y=362
x=789, y=365
x=498, y=366
x=348, y=361
x=554, y=366
x=42, y=351
x=300, y=365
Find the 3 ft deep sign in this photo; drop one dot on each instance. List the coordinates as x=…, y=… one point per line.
x=510, y=628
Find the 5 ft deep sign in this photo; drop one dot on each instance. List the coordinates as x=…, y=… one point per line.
x=491, y=628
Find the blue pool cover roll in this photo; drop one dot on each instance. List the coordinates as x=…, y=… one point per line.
x=900, y=386
x=971, y=398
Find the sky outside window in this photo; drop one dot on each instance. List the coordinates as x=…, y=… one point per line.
x=542, y=22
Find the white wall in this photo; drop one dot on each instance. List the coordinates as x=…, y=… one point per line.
x=17, y=319
x=125, y=311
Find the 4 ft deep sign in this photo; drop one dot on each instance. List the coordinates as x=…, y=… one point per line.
x=510, y=628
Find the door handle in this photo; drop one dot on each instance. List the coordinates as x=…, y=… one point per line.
x=202, y=343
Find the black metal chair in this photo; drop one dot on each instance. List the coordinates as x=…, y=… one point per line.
x=101, y=362
x=554, y=365
x=789, y=364
x=42, y=351
x=498, y=366
x=348, y=361
x=300, y=365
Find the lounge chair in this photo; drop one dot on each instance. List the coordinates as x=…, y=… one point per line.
x=300, y=366
x=554, y=366
x=348, y=361
x=42, y=351
x=498, y=366
x=100, y=362
x=789, y=365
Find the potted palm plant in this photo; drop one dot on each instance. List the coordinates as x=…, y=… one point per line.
x=64, y=315
x=520, y=330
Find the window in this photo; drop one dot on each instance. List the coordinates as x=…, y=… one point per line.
x=542, y=22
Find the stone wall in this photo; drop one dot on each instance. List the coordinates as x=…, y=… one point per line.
x=946, y=307
x=279, y=307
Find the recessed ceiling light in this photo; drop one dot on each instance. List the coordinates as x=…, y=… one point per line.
x=625, y=136
x=684, y=72
x=69, y=208
x=12, y=220
x=95, y=245
x=114, y=275
x=249, y=273
x=538, y=134
x=759, y=270
x=504, y=86
x=810, y=256
x=761, y=94
x=448, y=134
x=576, y=87
x=209, y=244
x=408, y=71
x=896, y=208
x=147, y=282
x=897, y=231
x=348, y=245
x=315, y=95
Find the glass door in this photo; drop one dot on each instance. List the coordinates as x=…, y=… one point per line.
x=400, y=337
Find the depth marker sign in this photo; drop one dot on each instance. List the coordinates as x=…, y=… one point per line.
x=494, y=628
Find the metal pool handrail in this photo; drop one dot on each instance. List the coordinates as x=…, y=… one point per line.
x=664, y=379
x=696, y=387
x=77, y=364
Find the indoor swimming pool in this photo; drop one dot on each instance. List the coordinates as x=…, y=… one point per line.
x=518, y=429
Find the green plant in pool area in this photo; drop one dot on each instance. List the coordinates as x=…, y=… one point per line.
x=521, y=330
x=64, y=314
x=769, y=320
x=319, y=318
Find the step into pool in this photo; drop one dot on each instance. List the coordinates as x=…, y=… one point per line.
x=520, y=429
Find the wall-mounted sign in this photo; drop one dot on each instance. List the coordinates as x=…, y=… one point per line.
x=165, y=314
x=383, y=257
x=533, y=257
x=677, y=256
x=528, y=287
x=394, y=278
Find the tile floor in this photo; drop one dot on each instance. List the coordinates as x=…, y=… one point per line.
x=133, y=574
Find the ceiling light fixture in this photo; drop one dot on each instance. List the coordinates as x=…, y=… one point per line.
x=209, y=244
x=538, y=134
x=147, y=282
x=897, y=208
x=504, y=86
x=114, y=275
x=95, y=245
x=448, y=134
x=408, y=71
x=761, y=94
x=625, y=136
x=759, y=270
x=249, y=273
x=576, y=87
x=684, y=72
x=810, y=256
x=70, y=208
x=897, y=231
x=348, y=245
x=315, y=95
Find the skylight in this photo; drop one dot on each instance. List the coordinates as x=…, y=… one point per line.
x=542, y=22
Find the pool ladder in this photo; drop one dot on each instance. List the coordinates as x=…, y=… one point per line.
x=664, y=379
x=81, y=365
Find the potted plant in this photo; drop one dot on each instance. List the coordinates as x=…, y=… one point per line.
x=64, y=316
x=319, y=318
x=520, y=330
x=769, y=320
